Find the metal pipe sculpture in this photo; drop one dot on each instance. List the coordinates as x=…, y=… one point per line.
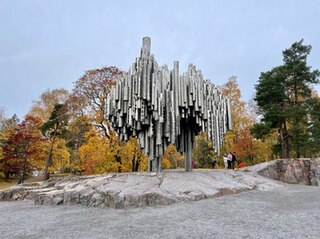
x=159, y=107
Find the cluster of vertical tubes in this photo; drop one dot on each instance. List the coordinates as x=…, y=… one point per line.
x=159, y=107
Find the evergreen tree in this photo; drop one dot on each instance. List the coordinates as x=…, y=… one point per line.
x=283, y=94
x=51, y=129
x=314, y=126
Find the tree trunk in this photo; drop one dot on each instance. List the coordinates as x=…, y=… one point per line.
x=118, y=159
x=133, y=161
x=284, y=141
x=6, y=176
x=137, y=164
x=20, y=176
x=105, y=130
x=22, y=171
x=298, y=151
x=49, y=161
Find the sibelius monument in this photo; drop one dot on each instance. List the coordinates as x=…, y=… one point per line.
x=159, y=107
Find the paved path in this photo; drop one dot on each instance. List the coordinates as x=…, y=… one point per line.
x=288, y=212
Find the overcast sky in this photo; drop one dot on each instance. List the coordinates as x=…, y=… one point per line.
x=48, y=44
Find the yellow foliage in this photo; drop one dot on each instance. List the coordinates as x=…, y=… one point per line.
x=203, y=152
x=165, y=163
x=38, y=158
x=240, y=140
x=228, y=142
x=101, y=155
x=172, y=158
x=61, y=156
x=240, y=117
x=1, y=153
x=132, y=157
x=43, y=107
x=96, y=156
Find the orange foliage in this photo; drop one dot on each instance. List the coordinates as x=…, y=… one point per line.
x=240, y=140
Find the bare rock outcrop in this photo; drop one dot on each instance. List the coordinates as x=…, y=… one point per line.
x=165, y=188
x=140, y=189
x=295, y=171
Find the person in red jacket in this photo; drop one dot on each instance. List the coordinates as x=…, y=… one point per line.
x=241, y=164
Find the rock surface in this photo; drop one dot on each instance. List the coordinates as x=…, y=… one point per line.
x=129, y=190
x=287, y=212
x=140, y=189
x=294, y=171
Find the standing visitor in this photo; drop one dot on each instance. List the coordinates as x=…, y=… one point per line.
x=234, y=159
x=229, y=161
x=213, y=162
x=225, y=160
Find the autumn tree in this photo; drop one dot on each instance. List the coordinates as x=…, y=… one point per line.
x=203, y=152
x=75, y=137
x=24, y=147
x=2, y=120
x=283, y=95
x=240, y=118
x=9, y=126
x=86, y=105
x=43, y=107
x=60, y=156
x=100, y=155
x=97, y=155
x=90, y=93
x=54, y=127
x=2, y=117
x=172, y=158
x=132, y=157
x=239, y=139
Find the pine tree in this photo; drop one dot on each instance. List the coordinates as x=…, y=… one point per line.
x=52, y=129
x=283, y=95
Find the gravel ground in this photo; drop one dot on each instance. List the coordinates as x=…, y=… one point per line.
x=288, y=212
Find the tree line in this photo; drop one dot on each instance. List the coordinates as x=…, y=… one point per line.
x=67, y=132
